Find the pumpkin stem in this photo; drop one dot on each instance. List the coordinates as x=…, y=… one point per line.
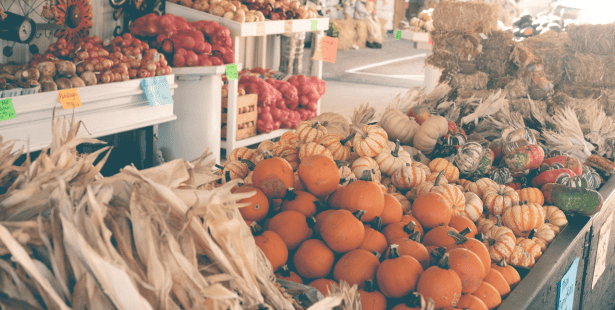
x=531, y=235
x=376, y=254
x=479, y=237
x=359, y=214
x=490, y=241
x=219, y=167
x=319, y=206
x=344, y=141
x=393, y=251
x=465, y=231
x=341, y=163
x=415, y=236
x=315, y=124
x=502, y=263
x=498, y=221
x=325, y=123
x=284, y=271
x=438, y=178
x=290, y=194
x=486, y=212
x=311, y=221
x=250, y=164
x=417, y=157
x=459, y=237
x=409, y=228
x=443, y=263
x=377, y=223
x=366, y=176
x=369, y=286
x=257, y=230
x=438, y=253
x=395, y=152
x=227, y=176
x=415, y=300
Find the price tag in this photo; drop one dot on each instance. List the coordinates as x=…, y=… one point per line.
x=69, y=98
x=157, y=91
x=603, y=249
x=231, y=72
x=327, y=49
x=398, y=35
x=314, y=25
x=7, y=111
x=260, y=29
x=566, y=286
x=482, y=35
x=288, y=26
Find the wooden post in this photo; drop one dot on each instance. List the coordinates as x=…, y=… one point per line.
x=400, y=13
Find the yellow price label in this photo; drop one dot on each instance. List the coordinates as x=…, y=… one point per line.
x=69, y=98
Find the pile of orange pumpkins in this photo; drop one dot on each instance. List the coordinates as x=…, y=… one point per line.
x=410, y=234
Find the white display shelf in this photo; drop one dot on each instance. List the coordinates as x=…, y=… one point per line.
x=106, y=109
x=254, y=140
x=415, y=36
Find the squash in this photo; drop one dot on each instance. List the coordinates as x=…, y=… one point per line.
x=497, y=280
x=450, y=192
x=420, y=114
x=313, y=259
x=510, y=274
x=471, y=302
x=468, y=267
x=489, y=295
x=365, y=195
x=575, y=181
x=530, y=246
x=513, y=134
x=392, y=211
x=356, y=267
x=474, y=245
x=555, y=216
x=441, y=284
x=521, y=258
x=500, y=241
x=289, y=138
x=543, y=236
x=592, y=177
x=464, y=225
x=531, y=194
x=292, y=226
x=523, y=218
x=370, y=140
x=432, y=210
x=300, y=201
x=497, y=146
x=468, y=157
x=450, y=171
x=398, y=126
x=485, y=163
x=259, y=204
x=415, y=301
x=346, y=175
x=573, y=199
x=334, y=122
x=527, y=157
x=408, y=177
x=266, y=146
x=273, y=176
x=285, y=274
x=237, y=169
x=474, y=206
x=405, y=203
x=566, y=162
x=550, y=176
x=398, y=275
x=433, y=128
x=273, y=247
x=342, y=231
x=439, y=237
x=319, y=175
x=396, y=231
x=242, y=153
x=313, y=148
x=416, y=154
x=374, y=241
x=480, y=186
x=339, y=146
x=371, y=298
x=310, y=131
x=389, y=162
x=291, y=154
x=501, y=175
x=365, y=163
x=412, y=246
x=498, y=199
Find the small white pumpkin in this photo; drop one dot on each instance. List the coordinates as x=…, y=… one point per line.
x=399, y=126
x=389, y=162
x=416, y=154
x=433, y=128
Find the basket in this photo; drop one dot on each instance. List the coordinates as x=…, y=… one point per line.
x=11, y=92
x=31, y=90
x=246, y=120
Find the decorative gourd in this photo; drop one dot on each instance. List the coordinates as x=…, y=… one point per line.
x=291, y=154
x=509, y=273
x=405, y=203
x=514, y=134
x=489, y=295
x=473, y=245
x=455, y=139
x=474, y=206
x=342, y=231
x=464, y=225
x=480, y=186
x=398, y=126
x=500, y=198
x=371, y=298
x=319, y=175
x=398, y=275
x=408, y=177
x=543, y=236
x=290, y=138
x=501, y=175
x=242, y=153
x=259, y=204
x=346, y=175
x=248, y=179
x=468, y=267
x=313, y=148
x=300, y=201
x=521, y=258
x=573, y=199
x=471, y=302
x=392, y=211
x=555, y=216
x=497, y=146
x=485, y=163
x=434, y=176
x=273, y=176
x=363, y=164
x=274, y=248
x=438, y=236
x=450, y=192
x=529, y=246
x=363, y=194
x=450, y=171
x=339, y=146
x=432, y=210
x=524, y=158
x=412, y=246
x=310, y=131
x=497, y=280
x=531, y=194
x=292, y=226
x=443, y=149
x=421, y=114
x=285, y=274
x=374, y=241
x=500, y=241
x=389, y=162
x=441, y=284
x=324, y=286
x=237, y=169
x=334, y=122
x=575, y=181
x=592, y=177
x=566, y=162
x=522, y=219
x=266, y=146
x=432, y=129
x=416, y=154
x=370, y=140
x=550, y=175
x=468, y=157
x=422, y=166
x=356, y=267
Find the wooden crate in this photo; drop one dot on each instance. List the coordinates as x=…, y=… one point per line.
x=246, y=101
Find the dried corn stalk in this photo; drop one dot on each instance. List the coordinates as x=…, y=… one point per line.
x=362, y=115
x=601, y=127
x=486, y=107
x=569, y=136
x=341, y=297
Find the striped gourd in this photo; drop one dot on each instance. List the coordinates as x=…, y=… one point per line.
x=313, y=148
x=450, y=171
x=366, y=163
x=309, y=131
x=370, y=140
x=389, y=162
x=468, y=157
x=408, y=177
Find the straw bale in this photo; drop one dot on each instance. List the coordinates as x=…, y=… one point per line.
x=442, y=59
x=516, y=89
x=590, y=69
x=351, y=31
x=595, y=39
x=495, y=53
x=480, y=94
x=577, y=91
x=466, y=16
x=476, y=81
x=550, y=48
x=456, y=43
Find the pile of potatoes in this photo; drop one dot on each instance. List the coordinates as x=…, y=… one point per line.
x=234, y=10
x=48, y=75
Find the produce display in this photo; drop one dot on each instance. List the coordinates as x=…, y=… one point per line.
x=252, y=10
x=526, y=26
x=283, y=101
x=422, y=23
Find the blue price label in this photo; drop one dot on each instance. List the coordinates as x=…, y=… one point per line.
x=7, y=111
x=314, y=24
x=566, y=287
x=231, y=72
x=398, y=35
x=157, y=91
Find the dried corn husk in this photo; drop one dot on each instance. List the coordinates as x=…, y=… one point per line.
x=569, y=136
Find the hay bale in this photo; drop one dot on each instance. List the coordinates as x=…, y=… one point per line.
x=550, y=47
x=466, y=16
x=449, y=47
x=442, y=59
x=591, y=70
x=480, y=94
x=476, y=81
x=350, y=31
x=593, y=39
x=495, y=53
x=516, y=89
x=578, y=91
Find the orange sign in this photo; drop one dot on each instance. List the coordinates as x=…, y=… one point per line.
x=327, y=49
x=69, y=98
x=288, y=26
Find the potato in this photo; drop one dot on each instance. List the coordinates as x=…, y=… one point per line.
x=64, y=83
x=7, y=76
x=46, y=78
x=49, y=86
x=77, y=81
x=218, y=11
x=66, y=68
x=228, y=15
x=32, y=84
x=89, y=78
x=18, y=76
x=30, y=74
x=47, y=68
x=12, y=69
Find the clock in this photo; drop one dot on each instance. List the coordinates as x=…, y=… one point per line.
x=17, y=28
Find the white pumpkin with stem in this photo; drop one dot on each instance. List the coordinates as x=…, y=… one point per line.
x=389, y=162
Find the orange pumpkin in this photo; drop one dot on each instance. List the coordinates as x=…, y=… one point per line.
x=285, y=274
x=473, y=245
x=407, y=218
x=408, y=177
x=396, y=231
x=313, y=259
x=461, y=223
x=356, y=267
x=242, y=153
x=293, y=227
x=297, y=183
x=273, y=176
x=450, y=192
x=273, y=247
x=363, y=194
x=313, y=148
x=496, y=279
x=405, y=203
x=531, y=194
x=415, y=301
x=323, y=285
x=309, y=131
x=412, y=246
x=398, y=275
x=441, y=284
x=439, y=236
x=370, y=140
x=468, y=267
x=300, y=201
x=319, y=175
x=342, y=231
x=497, y=199
x=371, y=299
x=432, y=210
x=336, y=198
x=509, y=273
x=489, y=295
x=373, y=241
x=450, y=171
x=259, y=204
x=392, y=211
x=471, y=302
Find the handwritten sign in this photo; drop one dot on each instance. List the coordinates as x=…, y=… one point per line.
x=398, y=35
x=260, y=29
x=566, y=286
x=7, y=111
x=69, y=98
x=314, y=25
x=326, y=50
x=288, y=26
x=603, y=249
x=231, y=72
x=157, y=91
